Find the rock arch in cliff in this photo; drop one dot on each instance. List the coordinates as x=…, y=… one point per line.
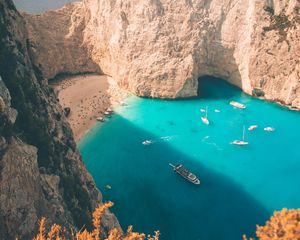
x=214, y=88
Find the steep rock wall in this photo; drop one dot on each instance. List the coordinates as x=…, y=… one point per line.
x=41, y=172
x=159, y=48
x=56, y=41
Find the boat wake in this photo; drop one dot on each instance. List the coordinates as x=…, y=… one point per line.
x=168, y=138
x=204, y=139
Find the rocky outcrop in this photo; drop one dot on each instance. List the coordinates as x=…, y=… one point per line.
x=62, y=32
x=159, y=48
x=41, y=171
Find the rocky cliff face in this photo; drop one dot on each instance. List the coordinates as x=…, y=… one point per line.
x=159, y=48
x=41, y=171
x=62, y=33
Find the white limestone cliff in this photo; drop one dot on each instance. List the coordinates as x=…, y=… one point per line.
x=159, y=48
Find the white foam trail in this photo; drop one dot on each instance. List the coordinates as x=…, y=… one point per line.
x=168, y=138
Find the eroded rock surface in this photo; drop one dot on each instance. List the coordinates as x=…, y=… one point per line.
x=159, y=48
x=41, y=171
x=62, y=32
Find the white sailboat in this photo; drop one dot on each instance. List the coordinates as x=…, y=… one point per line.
x=241, y=142
x=204, y=118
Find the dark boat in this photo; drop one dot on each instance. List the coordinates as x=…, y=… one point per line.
x=185, y=173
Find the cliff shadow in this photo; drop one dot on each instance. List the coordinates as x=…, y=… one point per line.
x=210, y=87
x=150, y=196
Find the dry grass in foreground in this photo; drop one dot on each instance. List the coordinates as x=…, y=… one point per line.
x=283, y=225
x=56, y=232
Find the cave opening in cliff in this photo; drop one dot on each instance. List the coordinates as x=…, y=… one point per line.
x=215, y=88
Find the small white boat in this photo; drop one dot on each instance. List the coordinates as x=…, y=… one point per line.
x=202, y=110
x=204, y=118
x=217, y=110
x=237, y=105
x=252, y=127
x=269, y=129
x=106, y=113
x=147, y=142
x=108, y=187
x=100, y=119
x=241, y=142
x=109, y=110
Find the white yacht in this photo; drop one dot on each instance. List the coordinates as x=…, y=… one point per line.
x=237, y=105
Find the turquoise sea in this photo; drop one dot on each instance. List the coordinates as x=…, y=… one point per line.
x=240, y=186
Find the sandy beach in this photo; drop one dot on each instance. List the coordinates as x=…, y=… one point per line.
x=88, y=97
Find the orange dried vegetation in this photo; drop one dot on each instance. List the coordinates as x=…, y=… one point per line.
x=283, y=225
x=56, y=232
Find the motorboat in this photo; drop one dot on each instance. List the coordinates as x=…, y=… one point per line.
x=183, y=172
x=237, y=105
x=106, y=113
x=147, y=142
x=252, y=127
x=109, y=110
x=269, y=129
x=100, y=119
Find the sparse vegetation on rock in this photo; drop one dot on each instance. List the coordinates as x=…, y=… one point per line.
x=56, y=232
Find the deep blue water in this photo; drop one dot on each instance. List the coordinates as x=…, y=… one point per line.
x=240, y=186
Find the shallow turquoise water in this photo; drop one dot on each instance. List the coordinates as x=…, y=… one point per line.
x=240, y=186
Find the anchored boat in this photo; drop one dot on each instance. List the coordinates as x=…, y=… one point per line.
x=100, y=119
x=241, y=142
x=237, y=105
x=204, y=118
x=179, y=169
x=269, y=129
x=147, y=142
x=252, y=127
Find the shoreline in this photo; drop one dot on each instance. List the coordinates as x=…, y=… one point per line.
x=88, y=96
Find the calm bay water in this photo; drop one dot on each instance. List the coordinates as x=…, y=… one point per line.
x=240, y=186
